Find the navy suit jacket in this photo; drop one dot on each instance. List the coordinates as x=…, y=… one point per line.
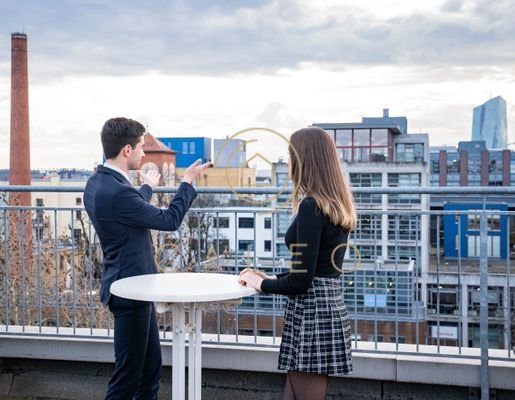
x=122, y=217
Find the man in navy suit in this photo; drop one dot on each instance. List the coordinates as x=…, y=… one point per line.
x=122, y=217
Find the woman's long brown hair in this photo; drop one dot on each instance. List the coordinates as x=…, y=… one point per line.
x=315, y=171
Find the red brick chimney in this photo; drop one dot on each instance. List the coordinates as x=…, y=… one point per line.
x=19, y=168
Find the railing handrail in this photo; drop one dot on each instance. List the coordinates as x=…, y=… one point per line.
x=223, y=210
x=437, y=190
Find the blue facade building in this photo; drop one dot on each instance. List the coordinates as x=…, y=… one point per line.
x=189, y=149
x=461, y=237
x=489, y=123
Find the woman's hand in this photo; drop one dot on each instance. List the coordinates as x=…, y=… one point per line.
x=258, y=272
x=251, y=278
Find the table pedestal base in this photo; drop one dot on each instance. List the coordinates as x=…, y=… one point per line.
x=192, y=328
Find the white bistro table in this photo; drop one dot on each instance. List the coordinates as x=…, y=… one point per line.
x=174, y=291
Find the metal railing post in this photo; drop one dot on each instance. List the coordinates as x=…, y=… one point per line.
x=483, y=325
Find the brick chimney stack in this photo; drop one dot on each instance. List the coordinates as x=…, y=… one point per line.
x=19, y=168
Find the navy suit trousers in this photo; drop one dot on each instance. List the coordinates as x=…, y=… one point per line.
x=137, y=353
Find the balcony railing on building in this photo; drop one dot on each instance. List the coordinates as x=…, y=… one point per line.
x=405, y=281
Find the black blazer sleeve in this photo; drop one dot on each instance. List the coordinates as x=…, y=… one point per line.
x=132, y=208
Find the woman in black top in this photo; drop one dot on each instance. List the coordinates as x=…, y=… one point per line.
x=316, y=335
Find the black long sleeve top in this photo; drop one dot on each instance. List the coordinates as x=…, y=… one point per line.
x=311, y=238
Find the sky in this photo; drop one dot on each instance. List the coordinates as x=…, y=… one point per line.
x=213, y=68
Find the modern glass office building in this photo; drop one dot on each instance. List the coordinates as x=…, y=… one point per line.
x=489, y=123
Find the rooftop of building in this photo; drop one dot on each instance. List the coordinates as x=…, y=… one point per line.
x=154, y=145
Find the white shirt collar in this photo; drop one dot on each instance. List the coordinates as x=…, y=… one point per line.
x=115, y=168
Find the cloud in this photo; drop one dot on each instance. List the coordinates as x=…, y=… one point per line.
x=277, y=116
x=452, y=6
x=232, y=37
x=212, y=68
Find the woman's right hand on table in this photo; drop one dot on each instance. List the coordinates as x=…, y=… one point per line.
x=257, y=272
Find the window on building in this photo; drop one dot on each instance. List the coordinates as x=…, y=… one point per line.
x=474, y=165
x=268, y=245
x=369, y=227
x=402, y=252
x=78, y=201
x=39, y=219
x=403, y=227
x=77, y=236
x=362, y=145
x=453, y=163
x=331, y=132
x=361, y=137
x=361, y=154
x=245, y=245
x=283, y=222
x=184, y=147
x=435, y=166
x=379, y=137
x=404, y=180
x=281, y=250
x=221, y=222
x=443, y=299
x=343, y=137
x=409, y=152
x=366, y=180
x=378, y=154
x=246, y=222
x=268, y=223
x=345, y=154
x=379, y=291
x=494, y=298
x=192, y=147
x=493, y=222
x=366, y=252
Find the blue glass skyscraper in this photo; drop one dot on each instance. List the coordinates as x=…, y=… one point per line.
x=489, y=123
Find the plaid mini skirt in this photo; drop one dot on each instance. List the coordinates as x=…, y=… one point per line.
x=316, y=336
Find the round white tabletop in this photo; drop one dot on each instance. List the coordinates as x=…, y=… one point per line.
x=181, y=287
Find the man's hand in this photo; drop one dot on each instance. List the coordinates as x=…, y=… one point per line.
x=195, y=170
x=151, y=178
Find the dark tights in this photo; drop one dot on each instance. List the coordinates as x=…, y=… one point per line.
x=304, y=386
